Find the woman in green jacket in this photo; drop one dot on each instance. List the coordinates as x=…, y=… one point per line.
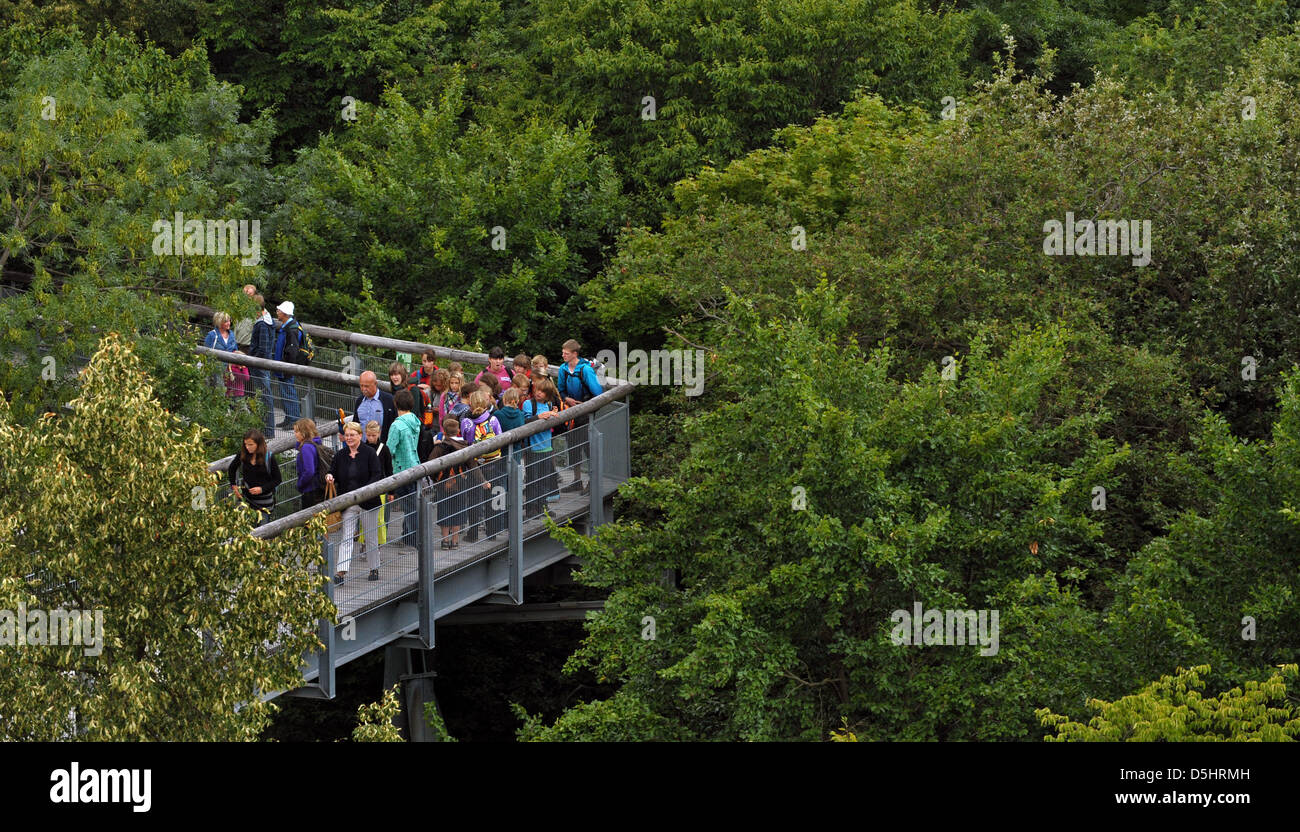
x=403, y=443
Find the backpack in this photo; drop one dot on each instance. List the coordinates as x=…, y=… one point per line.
x=447, y=476
x=582, y=379
x=324, y=462
x=306, y=349
x=424, y=445
x=483, y=431
x=423, y=402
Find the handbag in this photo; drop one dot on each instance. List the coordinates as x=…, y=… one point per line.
x=333, y=520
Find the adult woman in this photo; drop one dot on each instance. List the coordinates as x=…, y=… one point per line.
x=308, y=461
x=254, y=466
x=221, y=338
x=356, y=466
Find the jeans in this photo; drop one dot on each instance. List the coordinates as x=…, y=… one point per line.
x=262, y=384
x=289, y=398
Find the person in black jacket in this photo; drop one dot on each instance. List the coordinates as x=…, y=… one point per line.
x=255, y=467
x=356, y=466
x=374, y=403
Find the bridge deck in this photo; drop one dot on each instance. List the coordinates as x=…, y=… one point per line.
x=399, y=568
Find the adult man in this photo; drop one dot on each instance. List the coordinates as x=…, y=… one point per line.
x=286, y=349
x=576, y=382
x=244, y=326
x=374, y=403
x=263, y=346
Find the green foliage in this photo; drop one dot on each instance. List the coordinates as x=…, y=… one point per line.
x=1186, y=595
x=936, y=231
x=724, y=75
x=1192, y=47
x=134, y=137
x=433, y=718
x=1173, y=710
x=376, y=204
x=375, y=720
x=111, y=508
x=927, y=490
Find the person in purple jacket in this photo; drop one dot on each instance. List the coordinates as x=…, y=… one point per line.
x=308, y=461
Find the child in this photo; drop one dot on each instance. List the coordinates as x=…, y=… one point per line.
x=541, y=366
x=511, y=417
x=496, y=367
x=460, y=409
x=441, y=385
x=524, y=385
x=450, y=396
x=493, y=385
x=480, y=426
x=386, y=467
x=453, y=485
x=424, y=374
x=523, y=365
x=539, y=462
x=401, y=380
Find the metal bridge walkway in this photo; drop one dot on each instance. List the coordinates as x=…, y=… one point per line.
x=420, y=582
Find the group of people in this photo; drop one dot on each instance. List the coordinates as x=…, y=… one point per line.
x=277, y=338
x=382, y=437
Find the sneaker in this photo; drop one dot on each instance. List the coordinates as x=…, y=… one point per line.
x=373, y=576
x=340, y=577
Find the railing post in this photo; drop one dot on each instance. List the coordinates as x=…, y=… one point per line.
x=515, y=519
x=311, y=398
x=424, y=538
x=597, y=507
x=325, y=673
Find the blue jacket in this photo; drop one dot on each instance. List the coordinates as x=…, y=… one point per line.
x=213, y=341
x=263, y=345
x=538, y=442
x=580, y=383
x=286, y=350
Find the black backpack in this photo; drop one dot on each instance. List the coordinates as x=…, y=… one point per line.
x=306, y=349
x=424, y=446
x=324, y=462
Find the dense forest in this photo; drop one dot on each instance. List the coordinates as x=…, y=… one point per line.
x=914, y=395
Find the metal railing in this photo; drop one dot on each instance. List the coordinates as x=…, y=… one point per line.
x=451, y=511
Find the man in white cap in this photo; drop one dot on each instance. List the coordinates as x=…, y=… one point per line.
x=286, y=349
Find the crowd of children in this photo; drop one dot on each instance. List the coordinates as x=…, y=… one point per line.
x=432, y=412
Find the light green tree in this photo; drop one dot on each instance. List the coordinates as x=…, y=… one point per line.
x=110, y=508
x=1173, y=709
x=375, y=719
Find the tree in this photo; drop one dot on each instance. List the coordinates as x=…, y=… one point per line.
x=1172, y=709
x=98, y=143
x=806, y=512
x=110, y=510
x=375, y=720
x=490, y=232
